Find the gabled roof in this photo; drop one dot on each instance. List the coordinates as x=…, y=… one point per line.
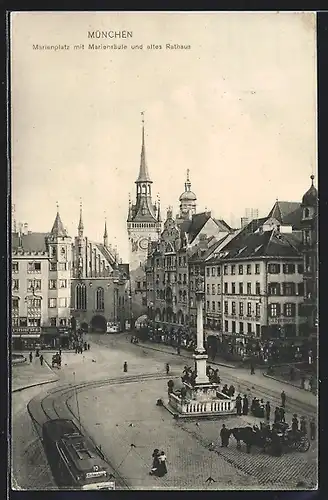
x=105, y=253
x=287, y=213
x=267, y=244
x=31, y=242
x=196, y=224
x=222, y=224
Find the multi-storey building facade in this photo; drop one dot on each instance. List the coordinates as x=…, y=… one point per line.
x=143, y=224
x=309, y=224
x=54, y=280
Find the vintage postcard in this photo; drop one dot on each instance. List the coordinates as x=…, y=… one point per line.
x=164, y=320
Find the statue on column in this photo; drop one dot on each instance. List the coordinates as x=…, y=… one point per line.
x=200, y=284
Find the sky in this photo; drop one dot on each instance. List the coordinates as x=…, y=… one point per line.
x=238, y=109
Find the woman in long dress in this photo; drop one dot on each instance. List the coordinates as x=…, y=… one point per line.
x=154, y=469
x=162, y=470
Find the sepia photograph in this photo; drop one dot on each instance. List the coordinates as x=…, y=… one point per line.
x=163, y=319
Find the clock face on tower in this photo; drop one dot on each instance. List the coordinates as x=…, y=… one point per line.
x=143, y=243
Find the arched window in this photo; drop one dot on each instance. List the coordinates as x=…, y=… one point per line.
x=144, y=189
x=184, y=296
x=306, y=212
x=100, y=304
x=81, y=297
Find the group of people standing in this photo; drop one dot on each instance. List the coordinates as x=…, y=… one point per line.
x=37, y=355
x=159, y=464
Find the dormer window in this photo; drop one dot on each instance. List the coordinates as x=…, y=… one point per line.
x=306, y=213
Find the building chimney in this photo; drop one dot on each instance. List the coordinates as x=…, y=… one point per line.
x=25, y=228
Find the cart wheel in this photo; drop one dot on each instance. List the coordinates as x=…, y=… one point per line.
x=304, y=445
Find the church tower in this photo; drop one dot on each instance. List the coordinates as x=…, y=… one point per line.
x=79, y=250
x=144, y=219
x=188, y=202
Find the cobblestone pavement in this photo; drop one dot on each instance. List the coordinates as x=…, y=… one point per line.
x=30, y=373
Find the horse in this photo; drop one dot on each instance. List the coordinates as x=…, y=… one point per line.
x=250, y=437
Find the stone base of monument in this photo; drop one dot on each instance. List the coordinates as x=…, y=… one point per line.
x=203, y=400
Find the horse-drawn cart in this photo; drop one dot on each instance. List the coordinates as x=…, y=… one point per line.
x=56, y=361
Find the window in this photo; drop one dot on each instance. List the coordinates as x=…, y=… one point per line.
x=289, y=288
x=22, y=321
x=249, y=327
x=213, y=289
x=33, y=322
x=213, y=306
x=81, y=297
x=249, y=309
x=274, y=288
x=63, y=322
x=306, y=213
x=184, y=261
x=233, y=269
x=233, y=326
x=233, y=287
x=233, y=308
x=208, y=305
x=218, y=288
x=15, y=303
x=32, y=302
x=274, y=310
x=258, y=330
x=14, y=321
x=241, y=327
x=15, y=284
x=184, y=279
x=307, y=237
x=257, y=268
x=258, y=310
x=138, y=285
x=257, y=288
x=225, y=269
x=52, y=284
x=144, y=285
x=301, y=289
x=249, y=268
x=300, y=269
x=62, y=283
x=62, y=266
x=274, y=268
x=249, y=288
x=52, y=302
x=100, y=303
x=289, y=310
x=208, y=289
x=213, y=271
x=288, y=268
x=241, y=288
x=62, y=302
x=226, y=288
x=53, y=266
x=34, y=285
x=218, y=270
x=225, y=307
x=208, y=271
x=226, y=328
x=52, y=321
x=219, y=307
x=15, y=267
x=241, y=308
x=241, y=269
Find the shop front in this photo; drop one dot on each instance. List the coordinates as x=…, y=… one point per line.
x=54, y=337
x=25, y=338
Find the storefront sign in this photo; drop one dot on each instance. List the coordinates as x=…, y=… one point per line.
x=27, y=329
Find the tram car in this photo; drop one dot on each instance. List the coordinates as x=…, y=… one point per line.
x=75, y=461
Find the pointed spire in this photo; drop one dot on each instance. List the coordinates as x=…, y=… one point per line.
x=105, y=234
x=58, y=227
x=143, y=171
x=159, y=219
x=80, y=226
x=188, y=183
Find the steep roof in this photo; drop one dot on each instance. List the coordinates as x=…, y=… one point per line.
x=221, y=222
x=196, y=224
x=310, y=198
x=58, y=227
x=143, y=171
x=105, y=253
x=287, y=213
x=31, y=242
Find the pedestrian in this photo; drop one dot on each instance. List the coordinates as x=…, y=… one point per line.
x=245, y=405
x=154, y=467
x=292, y=374
x=283, y=399
x=311, y=384
x=224, y=434
x=88, y=347
x=277, y=415
x=37, y=353
x=303, y=426
x=294, y=424
x=125, y=367
x=178, y=350
x=31, y=357
x=41, y=360
x=282, y=414
x=167, y=367
x=302, y=382
x=276, y=443
x=312, y=429
x=267, y=411
x=170, y=386
x=231, y=391
x=252, y=369
x=225, y=390
x=238, y=404
x=162, y=469
x=85, y=346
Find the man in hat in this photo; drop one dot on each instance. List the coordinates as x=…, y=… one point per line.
x=224, y=434
x=245, y=405
x=294, y=424
x=303, y=426
x=267, y=411
x=238, y=404
x=283, y=399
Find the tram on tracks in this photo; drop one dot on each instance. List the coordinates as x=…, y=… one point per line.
x=75, y=461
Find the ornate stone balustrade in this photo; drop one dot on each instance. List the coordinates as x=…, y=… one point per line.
x=222, y=405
